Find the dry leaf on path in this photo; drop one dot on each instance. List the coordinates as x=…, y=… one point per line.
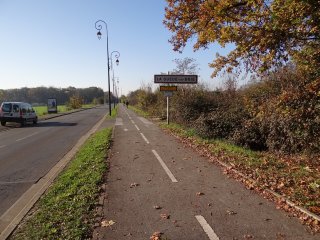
x=157, y=207
x=107, y=223
x=199, y=193
x=164, y=216
x=134, y=185
x=230, y=212
x=156, y=236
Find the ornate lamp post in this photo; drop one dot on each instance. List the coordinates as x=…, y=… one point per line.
x=99, y=34
x=117, y=55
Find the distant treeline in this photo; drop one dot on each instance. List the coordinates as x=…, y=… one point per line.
x=40, y=95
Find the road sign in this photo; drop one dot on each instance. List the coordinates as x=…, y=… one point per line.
x=168, y=88
x=183, y=79
x=168, y=93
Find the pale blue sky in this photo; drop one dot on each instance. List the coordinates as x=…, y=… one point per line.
x=54, y=43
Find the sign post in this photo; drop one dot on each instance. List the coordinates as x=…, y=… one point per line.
x=170, y=79
x=168, y=92
x=167, y=110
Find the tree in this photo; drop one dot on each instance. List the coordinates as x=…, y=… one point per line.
x=265, y=33
x=185, y=66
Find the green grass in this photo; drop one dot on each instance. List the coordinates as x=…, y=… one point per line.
x=114, y=111
x=43, y=110
x=66, y=211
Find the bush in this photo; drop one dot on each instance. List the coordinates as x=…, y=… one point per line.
x=190, y=103
x=75, y=102
x=221, y=122
x=295, y=120
x=252, y=134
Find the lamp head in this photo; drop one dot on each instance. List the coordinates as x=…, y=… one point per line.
x=117, y=62
x=99, y=34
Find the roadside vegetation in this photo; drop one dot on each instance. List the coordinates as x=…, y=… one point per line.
x=114, y=111
x=67, y=210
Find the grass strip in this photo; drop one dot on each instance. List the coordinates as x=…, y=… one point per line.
x=66, y=211
x=43, y=110
x=114, y=112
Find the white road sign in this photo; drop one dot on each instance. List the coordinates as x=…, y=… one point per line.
x=183, y=79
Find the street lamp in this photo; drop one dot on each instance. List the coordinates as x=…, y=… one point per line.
x=99, y=34
x=118, y=90
x=117, y=55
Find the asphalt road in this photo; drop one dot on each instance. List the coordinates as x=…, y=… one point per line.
x=28, y=153
x=156, y=184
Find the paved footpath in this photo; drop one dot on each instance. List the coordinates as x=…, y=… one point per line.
x=155, y=184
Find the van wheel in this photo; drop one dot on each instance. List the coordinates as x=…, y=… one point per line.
x=35, y=121
x=24, y=122
x=3, y=123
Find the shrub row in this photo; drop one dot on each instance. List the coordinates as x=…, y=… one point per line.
x=280, y=112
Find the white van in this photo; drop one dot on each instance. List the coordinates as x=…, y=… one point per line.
x=18, y=112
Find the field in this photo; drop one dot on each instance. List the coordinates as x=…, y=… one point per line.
x=43, y=110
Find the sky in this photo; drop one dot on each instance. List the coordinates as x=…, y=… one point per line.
x=53, y=43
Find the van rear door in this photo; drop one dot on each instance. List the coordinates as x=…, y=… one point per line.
x=6, y=109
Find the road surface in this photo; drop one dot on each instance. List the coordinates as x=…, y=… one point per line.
x=28, y=153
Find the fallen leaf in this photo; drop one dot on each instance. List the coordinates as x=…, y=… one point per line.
x=134, y=185
x=107, y=223
x=164, y=216
x=199, y=193
x=248, y=236
x=230, y=212
x=281, y=185
x=157, y=207
x=156, y=236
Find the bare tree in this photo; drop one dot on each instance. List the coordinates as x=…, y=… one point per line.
x=186, y=66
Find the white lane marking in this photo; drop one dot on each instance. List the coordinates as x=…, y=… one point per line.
x=164, y=166
x=18, y=182
x=137, y=127
x=145, y=139
x=119, y=122
x=3, y=146
x=20, y=139
x=206, y=227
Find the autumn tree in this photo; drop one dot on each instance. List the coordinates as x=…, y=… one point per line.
x=266, y=34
